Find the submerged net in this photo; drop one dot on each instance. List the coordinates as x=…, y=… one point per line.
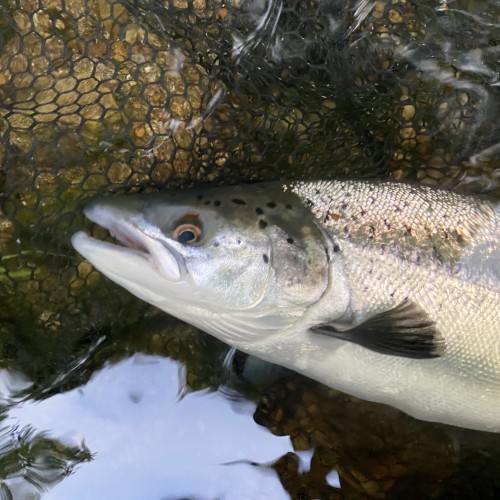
x=98, y=96
x=110, y=95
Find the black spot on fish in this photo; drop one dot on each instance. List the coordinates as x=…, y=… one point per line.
x=237, y=201
x=199, y=197
x=290, y=240
x=271, y=204
x=217, y=203
x=266, y=258
x=344, y=206
x=216, y=244
x=238, y=241
x=259, y=211
x=288, y=206
x=336, y=248
x=262, y=224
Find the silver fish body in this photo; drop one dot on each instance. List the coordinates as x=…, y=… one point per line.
x=389, y=292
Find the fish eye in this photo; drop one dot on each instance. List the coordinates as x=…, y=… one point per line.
x=187, y=233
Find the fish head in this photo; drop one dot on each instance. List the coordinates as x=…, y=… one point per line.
x=238, y=262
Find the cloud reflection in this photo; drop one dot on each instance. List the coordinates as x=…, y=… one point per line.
x=147, y=444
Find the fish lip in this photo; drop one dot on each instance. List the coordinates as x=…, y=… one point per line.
x=122, y=231
x=82, y=236
x=124, y=227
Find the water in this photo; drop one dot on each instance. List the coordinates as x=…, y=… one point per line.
x=146, y=443
x=102, y=396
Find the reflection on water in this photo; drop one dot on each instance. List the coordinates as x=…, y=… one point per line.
x=147, y=444
x=127, y=433
x=109, y=95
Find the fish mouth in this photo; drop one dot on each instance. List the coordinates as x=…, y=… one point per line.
x=132, y=242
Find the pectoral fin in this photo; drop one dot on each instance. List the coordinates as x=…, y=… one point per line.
x=405, y=331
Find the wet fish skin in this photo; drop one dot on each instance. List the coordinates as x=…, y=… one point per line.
x=386, y=291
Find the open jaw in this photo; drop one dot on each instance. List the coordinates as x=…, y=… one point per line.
x=117, y=221
x=119, y=228
x=133, y=269
x=136, y=252
x=93, y=249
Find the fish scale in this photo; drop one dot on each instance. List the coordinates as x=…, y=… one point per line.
x=411, y=221
x=464, y=380
x=464, y=305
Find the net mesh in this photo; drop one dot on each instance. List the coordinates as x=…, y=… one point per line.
x=109, y=95
x=99, y=96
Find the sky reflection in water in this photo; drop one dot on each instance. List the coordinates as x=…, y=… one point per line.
x=147, y=444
